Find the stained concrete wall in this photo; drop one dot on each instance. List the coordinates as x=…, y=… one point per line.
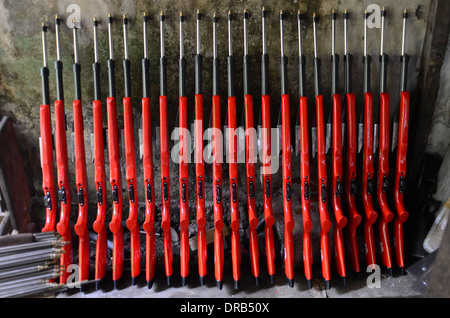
x=21, y=59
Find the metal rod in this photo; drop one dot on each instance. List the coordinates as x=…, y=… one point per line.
x=300, y=39
x=281, y=33
x=58, y=49
x=383, y=15
x=405, y=16
x=230, y=35
x=125, y=36
x=264, y=44
x=245, y=32
x=95, y=40
x=161, y=30
x=345, y=32
x=214, y=36
x=333, y=32
x=365, y=32
x=110, y=37
x=181, y=36
x=144, y=31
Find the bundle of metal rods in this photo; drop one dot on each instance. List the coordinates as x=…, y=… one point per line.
x=30, y=264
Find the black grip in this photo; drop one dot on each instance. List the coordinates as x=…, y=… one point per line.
x=198, y=74
x=59, y=80
x=334, y=73
x=317, y=77
x=97, y=85
x=112, y=78
x=77, y=80
x=348, y=73
x=45, y=87
x=163, y=75
x=367, y=60
x=145, y=78
x=284, y=76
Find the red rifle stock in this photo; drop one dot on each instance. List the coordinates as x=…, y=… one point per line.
x=184, y=155
x=184, y=194
x=199, y=162
x=266, y=125
x=341, y=220
x=81, y=181
x=149, y=222
x=165, y=159
x=99, y=175
x=130, y=158
x=287, y=166
x=165, y=186
x=325, y=223
x=368, y=175
x=115, y=225
x=402, y=148
x=354, y=217
x=200, y=176
x=250, y=160
x=337, y=172
x=400, y=173
x=383, y=158
x=115, y=178
x=383, y=173
x=62, y=165
x=250, y=155
x=233, y=164
x=147, y=160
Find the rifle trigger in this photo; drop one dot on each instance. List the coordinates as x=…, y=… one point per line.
x=288, y=191
x=131, y=193
x=369, y=186
x=252, y=190
x=234, y=192
x=306, y=190
x=218, y=194
x=268, y=188
x=80, y=197
x=385, y=184
x=99, y=195
x=48, y=201
x=183, y=192
x=338, y=188
x=166, y=191
x=353, y=187
x=149, y=192
x=62, y=194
